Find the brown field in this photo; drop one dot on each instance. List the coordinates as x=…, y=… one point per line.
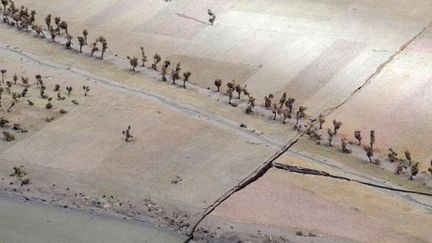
x=364, y=63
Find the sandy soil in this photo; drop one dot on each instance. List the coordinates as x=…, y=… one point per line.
x=294, y=202
x=318, y=52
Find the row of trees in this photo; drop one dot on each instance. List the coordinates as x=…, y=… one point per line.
x=175, y=72
x=22, y=18
x=284, y=108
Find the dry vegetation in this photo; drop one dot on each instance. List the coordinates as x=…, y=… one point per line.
x=23, y=19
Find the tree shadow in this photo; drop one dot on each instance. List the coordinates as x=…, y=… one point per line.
x=192, y=18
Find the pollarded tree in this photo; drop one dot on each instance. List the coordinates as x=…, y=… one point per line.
x=408, y=157
x=372, y=139
x=69, y=89
x=127, y=134
x=358, y=136
x=25, y=81
x=285, y=114
x=133, y=61
x=82, y=42
x=104, y=43
x=52, y=32
x=251, y=104
x=392, y=155
x=39, y=80
x=15, y=78
x=38, y=30
x=85, y=34
x=218, y=84
x=186, y=77
x=344, y=143
x=230, y=92
x=290, y=104
x=3, y=73
x=156, y=59
x=369, y=152
x=238, y=89
x=5, y=3
x=64, y=26
x=48, y=21
x=300, y=114
x=69, y=42
x=245, y=91
x=268, y=100
x=86, y=89
x=143, y=57
x=282, y=100
x=321, y=120
x=275, y=110
x=94, y=48
x=414, y=170
x=336, y=126
x=57, y=21
x=330, y=136
x=174, y=75
x=165, y=66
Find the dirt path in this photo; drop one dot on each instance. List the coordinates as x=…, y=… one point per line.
x=114, y=85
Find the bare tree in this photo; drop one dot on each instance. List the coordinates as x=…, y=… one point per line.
x=230, y=92
x=15, y=78
x=285, y=114
x=218, y=84
x=282, y=100
x=392, y=155
x=127, y=134
x=290, y=104
x=174, y=75
x=64, y=26
x=57, y=21
x=212, y=16
x=86, y=90
x=133, y=61
x=104, y=43
x=85, y=34
x=321, y=120
x=275, y=110
x=414, y=170
x=408, y=157
x=300, y=115
x=48, y=21
x=52, y=32
x=336, y=126
x=186, y=77
x=156, y=59
x=165, y=66
x=82, y=42
x=251, y=104
x=5, y=3
x=268, y=101
x=69, y=42
x=38, y=30
x=344, y=143
x=143, y=57
x=330, y=136
x=94, y=48
x=372, y=139
x=3, y=74
x=369, y=152
x=358, y=136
